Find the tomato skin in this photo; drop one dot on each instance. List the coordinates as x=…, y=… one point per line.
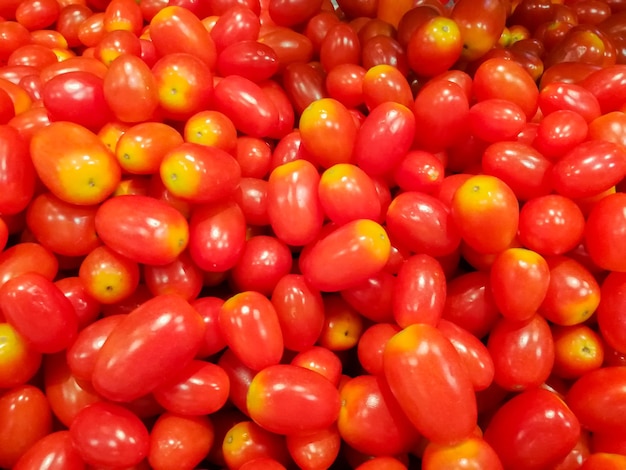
x=217, y=236
x=604, y=461
x=371, y=420
x=122, y=372
x=419, y=292
x=347, y=256
x=578, y=349
x=287, y=400
x=594, y=398
x=53, y=452
x=321, y=360
x=317, y=450
x=589, y=169
x=473, y=452
x=18, y=361
x=292, y=194
x=26, y=418
x=246, y=441
x=176, y=29
x=250, y=327
x=66, y=171
x=495, y=119
x=445, y=411
x=540, y=413
x=606, y=84
x=250, y=59
x=143, y=229
x=604, y=231
x=180, y=441
x=106, y=434
x=523, y=353
x=292, y=12
x=39, y=311
x=246, y=104
x=18, y=174
x=27, y=257
x=558, y=96
x=610, y=313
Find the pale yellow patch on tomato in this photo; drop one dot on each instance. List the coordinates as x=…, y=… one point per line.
x=375, y=239
x=107, y=285
x=177, y=237
x=477, y=194
x=87, y=179
x=63, y=53
x=173, y=92
x=12, y=345
x=180, y=176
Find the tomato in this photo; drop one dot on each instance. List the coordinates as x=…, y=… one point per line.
x=486, y=205
x=344, y=83
x=200, y=388
x=480, y=23
x=121, y=371
x=217, y=235
x=542, y=413
x=606, y=85
x=569, y=96
x=239, y=376
x=340, y=45
x=603, y=460
x=512, y=267
x=604, y=230
x=434, y=46
x=25, y=258
x=321, y=360
x=26, y=418
x=495, y=119
x=382, y=463
x=316, y=450
x=176, y=29
x=522, y=352
x=304, y=85
x=18, y=360
x=287, y=399
x=292, y=12
x=444, y=412
x=246, y=441
x=199, y=173
x=143, y=229
x=39, y=311
x=237, y=24
x=371, y=420
x=578, y=349
x=348, y=255
x=328, y=132
x=54, y=451
x=141, y=147
x=179, y=441
x=342, y=325
x=106, y=434
x=123, y=15
x=473, y=451
x=183, y=84
x=115, y=43
x=441, y=111
x=17, y=173
x=246, y=105
x=293, y=194
x=610, y=313
x=129, y=76
x=82, y=171
x=34, y=55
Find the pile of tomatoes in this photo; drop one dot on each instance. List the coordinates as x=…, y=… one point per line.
x=282, y=234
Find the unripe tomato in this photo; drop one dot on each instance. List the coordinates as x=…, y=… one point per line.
x=290, y=400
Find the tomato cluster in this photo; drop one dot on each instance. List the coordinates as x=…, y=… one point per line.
x=315, y=234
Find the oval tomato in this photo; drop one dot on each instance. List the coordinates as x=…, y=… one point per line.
x=17, y=174
x=54, y=452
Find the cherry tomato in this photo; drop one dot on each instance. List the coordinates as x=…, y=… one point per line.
x=25, y=258
x=54, y=451
x=578, y=349
x=246, y=441
x=18, y=360
x=472, y=451
x=603, y=231
x=17, y=173
x=480, y=23
x=444, y=412
x=316, y=450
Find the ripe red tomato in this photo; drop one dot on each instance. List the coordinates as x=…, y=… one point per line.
x=445, y=411
x=122, y=370
x=316, y=450
x=17, y=174
x=472, y=451
x=56, y=451
x=18, y=360
x=610, y=313
x=291, y=400
x=603, y=232
x=246, y=441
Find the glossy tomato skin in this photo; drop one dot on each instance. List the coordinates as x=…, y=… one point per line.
x=346, y=256
x=610, y=313
x=559, y=96
x=106, y=434
x=18, y=361
x=534, y=430
x=523, y=353
x=142, y=228
x=18, y=173
x=445, y=411
x=54, y=452
x=287, y=399
x=473, y=451
x=124, y=373
x=315, y=450
x=37, y=308
x=27, y=257
x=250, y=327
x=595, y=399
x=603, y=232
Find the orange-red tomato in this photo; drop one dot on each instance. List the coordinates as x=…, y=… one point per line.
x=18, y=360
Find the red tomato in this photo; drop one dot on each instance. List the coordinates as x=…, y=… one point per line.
x=578, y=349
x=610, y=313
x=54, y=451
x=321, y=360
x=604, y=230
x=480, y=23
x=106, y=434
x=371, y=346
x=495, y=119
x=372, y=298
x=181, y=277
x=542, y=413
x=246, y=441
x=523, y=353
x=27, y=258
x=237, y=24
x=239, y=376
x=287, y=399
x=434, y=46
x=250, y=327
x=17, y=174
x=142, y=228
x=371, y=420
x=176, y=29
x=26, y=418
x=347, y=256
x=208, y=308
x=249, y=59
x=123, y=371
x=217, y=236
x=473, y=451
x=292, y=12
x=569, y=96
x=445, y=411
x=82, y=171
x=316, y=450
x=293, y=194
x=341, y=45
x=383, y=83
x=39, y=311
x=180, y=441
x=200, y=388
x=304, y=85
